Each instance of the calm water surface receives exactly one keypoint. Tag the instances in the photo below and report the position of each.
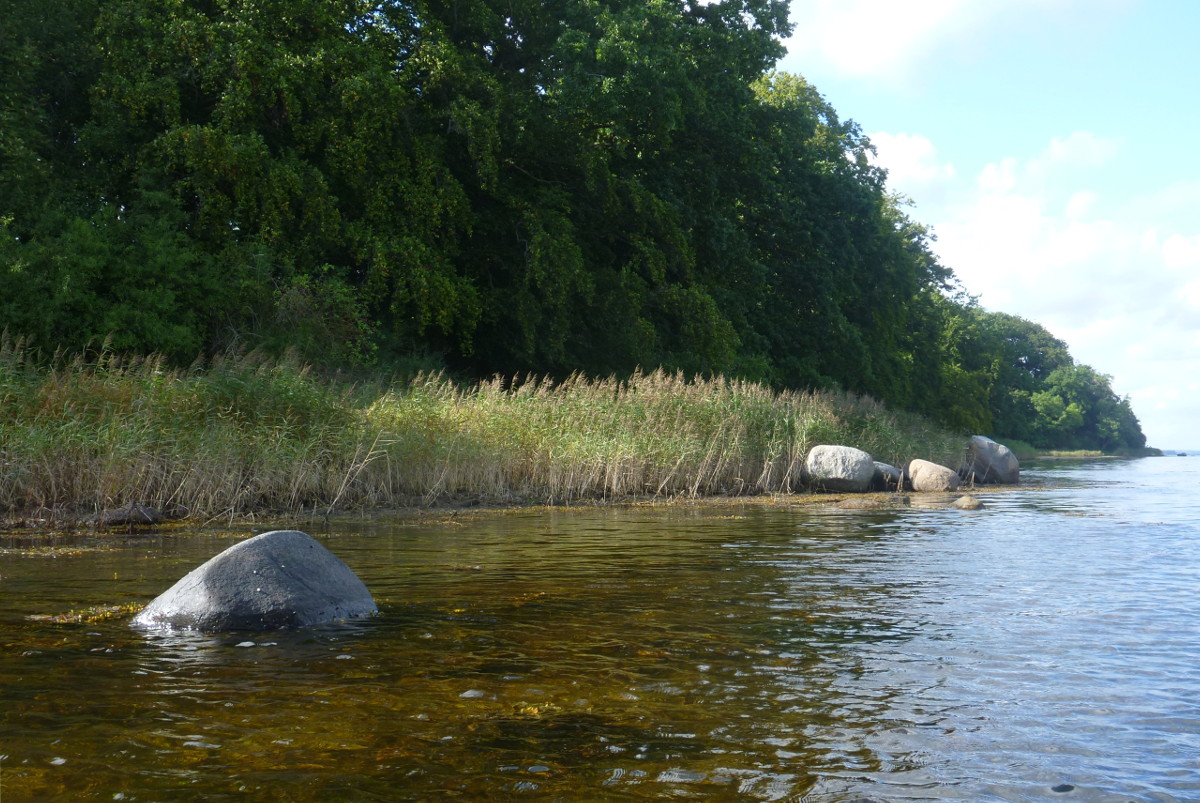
(1045, 648)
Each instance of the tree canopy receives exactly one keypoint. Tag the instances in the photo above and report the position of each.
(493, 187)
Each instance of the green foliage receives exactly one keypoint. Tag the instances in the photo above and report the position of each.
(1078, 410)
(504, 186)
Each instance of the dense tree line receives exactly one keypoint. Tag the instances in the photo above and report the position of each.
(505, 186)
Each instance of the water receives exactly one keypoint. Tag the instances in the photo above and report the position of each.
(1045, 648)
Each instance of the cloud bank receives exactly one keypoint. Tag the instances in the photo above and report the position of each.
(1037, 237)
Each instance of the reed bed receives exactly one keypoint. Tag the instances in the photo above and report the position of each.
(244, 435)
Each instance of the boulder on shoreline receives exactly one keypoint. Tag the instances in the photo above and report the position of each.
(990, 462)
(926, 477)
(887, 478)
(283, 578)
(130, 514)
(839, 468)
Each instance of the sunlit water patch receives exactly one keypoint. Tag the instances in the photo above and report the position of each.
(1043, 648)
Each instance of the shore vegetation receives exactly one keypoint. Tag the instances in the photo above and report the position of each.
(241, 435)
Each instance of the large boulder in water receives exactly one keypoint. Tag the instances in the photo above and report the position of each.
(839, 468)
(925, 477)
(278, 579)
(988, 461)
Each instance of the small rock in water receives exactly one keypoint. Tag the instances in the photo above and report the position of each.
(968, 503)
(471, 694)
(244, 644)
(1063, 788)
(861, 503)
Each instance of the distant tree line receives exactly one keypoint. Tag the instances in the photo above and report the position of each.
(513, 186)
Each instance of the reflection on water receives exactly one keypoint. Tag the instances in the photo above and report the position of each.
(1043, 648)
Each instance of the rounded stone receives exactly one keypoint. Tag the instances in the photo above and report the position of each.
(968, 503)
(924, 476)
(988, 461)
(861, 503)
(887, 477)
(283, 578)
(839, 468)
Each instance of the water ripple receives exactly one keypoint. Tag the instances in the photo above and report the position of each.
(1046, 648)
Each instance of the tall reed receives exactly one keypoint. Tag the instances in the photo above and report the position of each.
(247, 434)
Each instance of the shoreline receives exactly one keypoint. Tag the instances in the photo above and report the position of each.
(248, 439)
(454, 513)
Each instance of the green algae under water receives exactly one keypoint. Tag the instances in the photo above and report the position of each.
(1046, 647)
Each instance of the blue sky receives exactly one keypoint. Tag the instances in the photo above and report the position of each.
(1049, 145)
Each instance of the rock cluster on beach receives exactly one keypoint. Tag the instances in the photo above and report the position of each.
(848, 470)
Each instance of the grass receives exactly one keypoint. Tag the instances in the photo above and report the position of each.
(242, 435)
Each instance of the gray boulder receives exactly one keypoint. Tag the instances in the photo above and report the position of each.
(988, 461)
(131, 514)
(839, 468)
(887, 478)
(278, 579)
(927, 477)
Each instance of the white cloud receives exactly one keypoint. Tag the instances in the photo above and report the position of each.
(1080, 157)
(1175, 202)
(913, 166)
(1190, 293)
(867, 37)
(1019, 238)
(1181, 252)
(886, 40)
(1080, 204)
(1030, 238)
(1167, 411)
(998, 176)
(1079, 149)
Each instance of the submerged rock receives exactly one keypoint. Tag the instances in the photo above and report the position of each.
(839, 468)
(283, 578)
(988, 461)
(927, 477)
(932, 501)
(862, 503)
(967, 503)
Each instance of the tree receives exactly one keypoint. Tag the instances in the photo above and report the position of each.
(1090, 415)
(496, 185)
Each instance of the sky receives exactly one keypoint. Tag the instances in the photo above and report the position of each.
(1050, 145)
